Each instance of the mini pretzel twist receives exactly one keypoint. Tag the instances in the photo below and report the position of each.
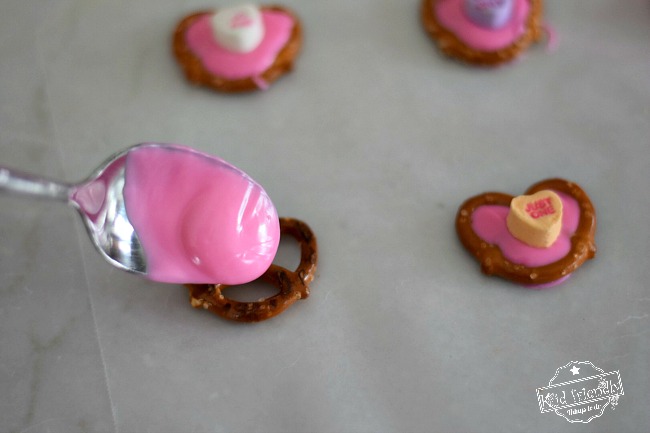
(196, 72)
(493, 262)
(452, 45)
(292, 285)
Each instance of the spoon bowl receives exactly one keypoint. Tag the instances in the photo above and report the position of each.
(169, 213)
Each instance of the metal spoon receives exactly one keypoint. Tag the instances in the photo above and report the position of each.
(100, 203)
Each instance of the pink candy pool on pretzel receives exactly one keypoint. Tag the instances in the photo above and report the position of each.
(489, 222)
(230, 64)
(453, 14)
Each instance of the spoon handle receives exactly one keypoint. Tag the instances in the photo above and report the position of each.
(20, 183)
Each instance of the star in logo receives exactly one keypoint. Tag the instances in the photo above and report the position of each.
(575, 370)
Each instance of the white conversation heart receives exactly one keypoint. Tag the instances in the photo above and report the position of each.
(239, 29)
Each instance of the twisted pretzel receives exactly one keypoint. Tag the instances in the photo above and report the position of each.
(197, 73)
(292, 285)
(452, 45)
(493, 262)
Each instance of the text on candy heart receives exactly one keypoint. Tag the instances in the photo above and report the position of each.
(540, 208)
(241, 20)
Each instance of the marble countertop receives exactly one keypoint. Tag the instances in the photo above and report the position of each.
(375, 139)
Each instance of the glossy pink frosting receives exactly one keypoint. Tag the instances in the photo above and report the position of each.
(489, 223)
(199, 219)
(451, 15)
(232, 65)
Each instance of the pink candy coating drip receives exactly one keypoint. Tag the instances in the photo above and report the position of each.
(489, 223)
(451, 15)
(199, 219)
(232, 65)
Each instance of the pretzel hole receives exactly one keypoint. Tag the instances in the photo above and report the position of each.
(288, 254)
(250, 292)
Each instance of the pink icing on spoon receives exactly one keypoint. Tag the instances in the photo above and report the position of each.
(198, 218)
(489, 223)
(452, 16)
(232, 65)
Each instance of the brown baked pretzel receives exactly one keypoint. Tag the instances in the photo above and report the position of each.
(196, 73)
(450, 44)
(293, 285)
(583, 246)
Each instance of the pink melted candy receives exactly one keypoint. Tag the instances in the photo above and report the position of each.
(199, 219)
(451, 15)
(489, 223)
(231, 65)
